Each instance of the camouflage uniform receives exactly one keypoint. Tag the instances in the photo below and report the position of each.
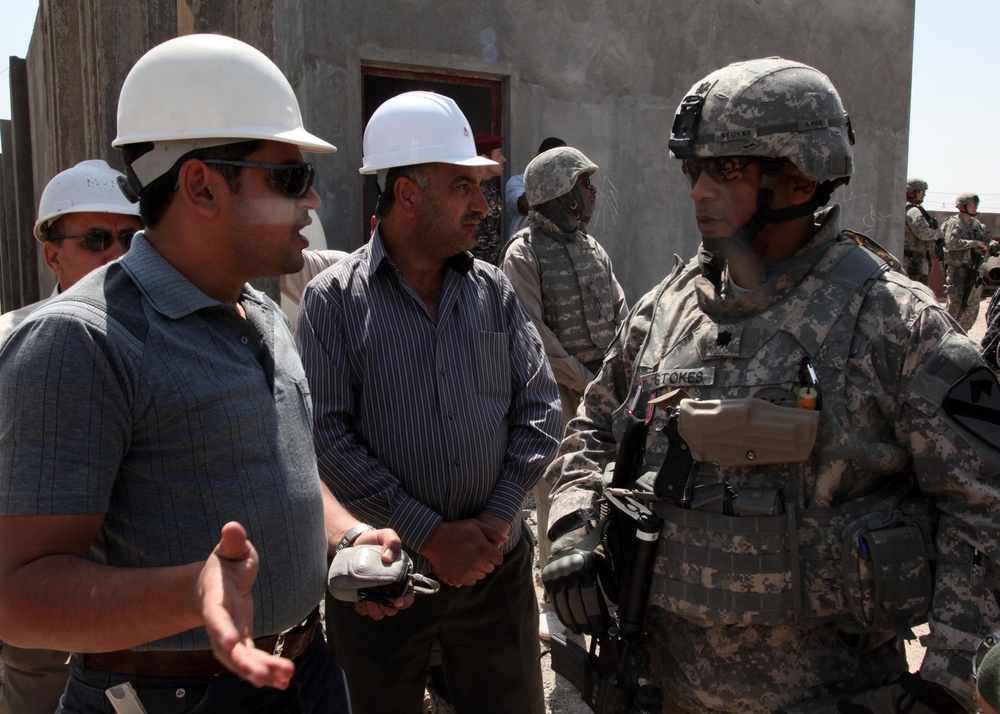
(918, 244)
(960, 252)
(488, 234)
(883, 377)
(567, 285)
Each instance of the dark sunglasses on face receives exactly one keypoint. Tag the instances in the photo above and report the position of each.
(719, 169)
(292, 180)
(99, 239)
(585, 182)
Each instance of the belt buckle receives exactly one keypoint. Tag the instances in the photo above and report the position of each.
(279, 645)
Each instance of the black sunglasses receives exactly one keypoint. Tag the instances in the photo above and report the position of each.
(720, 169)
(99, 239)
(292, 180)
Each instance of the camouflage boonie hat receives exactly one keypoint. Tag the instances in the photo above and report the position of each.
(771, 108)
(915, 184)
(553, 173)
(964, 199)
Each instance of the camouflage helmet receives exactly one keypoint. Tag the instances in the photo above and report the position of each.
(915, 184)
(964, 199)
(553, 173)
(769, 108)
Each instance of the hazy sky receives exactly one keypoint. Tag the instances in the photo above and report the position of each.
(954, 103)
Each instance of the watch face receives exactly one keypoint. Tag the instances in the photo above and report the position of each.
(981, 651)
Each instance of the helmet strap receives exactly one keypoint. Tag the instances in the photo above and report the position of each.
(739, 245)
(162, 157)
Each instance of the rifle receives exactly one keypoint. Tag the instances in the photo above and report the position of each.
(973, 276)
(609, 676)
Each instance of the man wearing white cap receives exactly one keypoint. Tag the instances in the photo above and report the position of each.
(166, 523)
(436, 413)
(83, 223)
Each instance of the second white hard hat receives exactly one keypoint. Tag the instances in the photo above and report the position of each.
(419, 128)
(89, 187)
(207, 90)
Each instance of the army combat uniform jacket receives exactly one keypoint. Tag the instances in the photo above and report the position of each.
(751, 613)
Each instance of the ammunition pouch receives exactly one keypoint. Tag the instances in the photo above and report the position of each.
(799, 567)
(887, 566)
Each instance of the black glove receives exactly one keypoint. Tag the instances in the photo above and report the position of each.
(571, 580)
(907, 695)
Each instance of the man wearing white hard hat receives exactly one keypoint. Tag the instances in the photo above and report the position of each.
(436, 412)
(83, 223)
(166, 523)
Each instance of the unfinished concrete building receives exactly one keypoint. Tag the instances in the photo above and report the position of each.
(604, 76)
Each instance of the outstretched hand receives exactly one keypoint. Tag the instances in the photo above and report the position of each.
(224, 587)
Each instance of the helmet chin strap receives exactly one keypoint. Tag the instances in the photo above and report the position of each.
(739, 245)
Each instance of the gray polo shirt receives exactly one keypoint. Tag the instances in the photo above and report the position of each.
(171, 415)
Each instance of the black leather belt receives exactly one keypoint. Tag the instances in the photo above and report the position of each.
(199, 663)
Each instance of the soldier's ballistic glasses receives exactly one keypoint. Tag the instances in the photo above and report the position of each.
(291, 179)
(720, 169)
(99, 239)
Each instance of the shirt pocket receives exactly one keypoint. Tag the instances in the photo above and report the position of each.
(493, 363)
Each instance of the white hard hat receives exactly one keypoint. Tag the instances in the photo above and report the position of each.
(419, 128)
(89, 187)
(207, 90)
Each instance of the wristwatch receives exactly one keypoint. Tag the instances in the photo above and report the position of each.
(352, 535)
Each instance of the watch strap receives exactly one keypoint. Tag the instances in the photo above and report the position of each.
(352, 535)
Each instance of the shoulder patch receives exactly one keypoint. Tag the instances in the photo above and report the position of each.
(974, 403)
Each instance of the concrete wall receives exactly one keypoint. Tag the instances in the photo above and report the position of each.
(79, 55)
(606, 77)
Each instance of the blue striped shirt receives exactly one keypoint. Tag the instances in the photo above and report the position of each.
(421, 419)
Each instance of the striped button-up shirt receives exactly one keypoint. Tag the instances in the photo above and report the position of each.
(421, 418)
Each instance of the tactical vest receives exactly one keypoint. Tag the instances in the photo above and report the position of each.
(910, 240)
(576, 293)
(860, 561)
(959, 257)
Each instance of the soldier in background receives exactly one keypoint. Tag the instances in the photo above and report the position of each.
(514, 198)
(773, 595)
(921, 235)
(966, 242)
(564, 280)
